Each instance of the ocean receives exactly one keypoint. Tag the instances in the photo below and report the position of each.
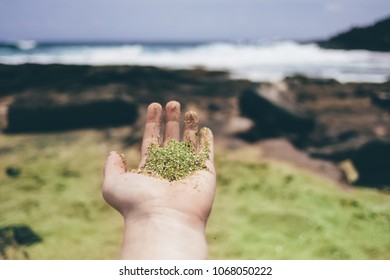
(257, 61)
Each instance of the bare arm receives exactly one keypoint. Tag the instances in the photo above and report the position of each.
(163, 220)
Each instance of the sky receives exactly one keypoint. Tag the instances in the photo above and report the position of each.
(184, 20)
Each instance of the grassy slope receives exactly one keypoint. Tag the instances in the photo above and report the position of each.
(263, 210)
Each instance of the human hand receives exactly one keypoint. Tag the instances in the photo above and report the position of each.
(163, 219)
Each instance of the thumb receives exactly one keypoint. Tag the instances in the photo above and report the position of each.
(115, 165)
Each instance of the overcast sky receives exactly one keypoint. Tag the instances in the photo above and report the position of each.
(183, 20)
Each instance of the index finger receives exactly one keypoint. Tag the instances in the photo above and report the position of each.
(206, 145)
(152, 130)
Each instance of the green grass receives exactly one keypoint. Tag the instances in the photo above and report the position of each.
(273, 211)
(263, 210)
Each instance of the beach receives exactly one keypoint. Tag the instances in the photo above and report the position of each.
(306, 140)
(277, 147)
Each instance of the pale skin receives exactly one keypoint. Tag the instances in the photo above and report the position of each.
(163, 220)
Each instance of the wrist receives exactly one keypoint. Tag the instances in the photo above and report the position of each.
(164, 235)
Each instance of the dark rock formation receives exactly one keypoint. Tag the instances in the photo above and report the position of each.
(86, 96)
(352, 122)
(29, 116)
(372, 161)
(344, 119)
(381, 99)
(275, 112)
(324, 118)
(345, 116)
(16, 236)
(13, 171)
(374, 38)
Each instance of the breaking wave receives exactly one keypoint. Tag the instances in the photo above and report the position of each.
(255, 61)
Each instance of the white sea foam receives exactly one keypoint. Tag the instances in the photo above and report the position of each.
(260, 62)
(25, 45)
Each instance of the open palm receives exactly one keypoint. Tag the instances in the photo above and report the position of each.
(138, 195)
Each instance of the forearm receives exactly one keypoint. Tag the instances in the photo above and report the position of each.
(162, 237)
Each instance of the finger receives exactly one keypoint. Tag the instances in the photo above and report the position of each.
(191, 122)
(206, 143)
(172, 122)
(152, 130)
(115, 165)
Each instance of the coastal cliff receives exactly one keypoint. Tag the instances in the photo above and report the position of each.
(375, 37)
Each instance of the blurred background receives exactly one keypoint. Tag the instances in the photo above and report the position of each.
(297, 93)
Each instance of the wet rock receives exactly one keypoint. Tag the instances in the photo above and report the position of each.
(22, 234)
(52, 88)
(17, 237)
(275, 111)
(372, 162)
(348, 117)
(13, 171)
(381, 99)
(345, 114)
(41, 116)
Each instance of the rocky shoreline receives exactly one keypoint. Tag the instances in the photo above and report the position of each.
(323, 119)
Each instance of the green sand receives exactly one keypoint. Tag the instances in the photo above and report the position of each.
(175, 161)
